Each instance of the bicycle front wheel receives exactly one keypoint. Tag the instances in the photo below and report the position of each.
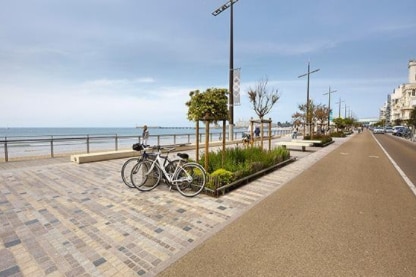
(126, 171)
(190, 179)
(144, 180)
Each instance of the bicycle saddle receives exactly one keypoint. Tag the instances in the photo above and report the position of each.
(183, 156)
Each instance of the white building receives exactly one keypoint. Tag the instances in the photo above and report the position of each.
(403, 99)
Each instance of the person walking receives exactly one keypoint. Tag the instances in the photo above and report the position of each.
(295, 132)
(145, 135)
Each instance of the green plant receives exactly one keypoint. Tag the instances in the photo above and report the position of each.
(323, 138)
(338, 134)
(210, 104)
(242, 162)
(219, 178)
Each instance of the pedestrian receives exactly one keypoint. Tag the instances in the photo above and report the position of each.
(257, 131)
(295, 132)
(145, 135)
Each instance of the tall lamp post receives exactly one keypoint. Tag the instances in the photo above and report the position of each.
(307, 93)
(339, 108)
(329, 104)
(230, 5)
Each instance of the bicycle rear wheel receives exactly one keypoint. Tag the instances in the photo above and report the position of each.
(126, 171)
(190, 179)
(144, 180)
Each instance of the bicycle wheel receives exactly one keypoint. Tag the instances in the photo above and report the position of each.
(126, 171)
(143, 181)
(190, 179)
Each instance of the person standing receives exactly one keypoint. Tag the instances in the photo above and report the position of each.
(145, 135)
(257, 131)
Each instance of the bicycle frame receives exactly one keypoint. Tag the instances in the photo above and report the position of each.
(189, 178)
(160, 161)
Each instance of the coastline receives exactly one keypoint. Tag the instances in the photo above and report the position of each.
(21, 148)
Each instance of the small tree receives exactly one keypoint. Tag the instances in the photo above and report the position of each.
(339, 123)
(262, 99)
(412, 121)
(209, 106)
(311, 117)
(321, 113)
(298, 119)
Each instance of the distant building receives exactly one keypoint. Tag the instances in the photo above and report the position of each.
(403, 99)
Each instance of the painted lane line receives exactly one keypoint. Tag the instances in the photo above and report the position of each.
(405, 178)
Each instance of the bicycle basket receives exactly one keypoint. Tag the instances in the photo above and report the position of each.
(137, 147)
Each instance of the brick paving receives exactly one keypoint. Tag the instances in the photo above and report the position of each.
(64, 219)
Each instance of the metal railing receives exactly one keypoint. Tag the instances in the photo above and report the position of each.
(52, 146)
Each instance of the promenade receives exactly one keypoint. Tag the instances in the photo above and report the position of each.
(342, 210)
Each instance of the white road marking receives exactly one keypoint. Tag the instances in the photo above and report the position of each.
(405, 178)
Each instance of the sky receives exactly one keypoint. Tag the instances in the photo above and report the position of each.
(126, 63)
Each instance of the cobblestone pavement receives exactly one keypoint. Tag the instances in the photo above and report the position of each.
(64, 219)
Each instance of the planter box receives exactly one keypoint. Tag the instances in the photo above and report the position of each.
(226, 188)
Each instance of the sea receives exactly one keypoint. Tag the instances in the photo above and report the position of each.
(38, 142)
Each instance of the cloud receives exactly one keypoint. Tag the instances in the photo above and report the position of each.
(94, 103)
(293, 47)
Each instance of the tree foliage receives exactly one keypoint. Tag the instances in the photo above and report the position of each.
(262, 99)
(321, 114)
(298, 118)
(317, 113)
(339, 123)
(210, 104)
(412, 119)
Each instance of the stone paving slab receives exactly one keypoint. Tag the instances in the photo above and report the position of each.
(64, 219)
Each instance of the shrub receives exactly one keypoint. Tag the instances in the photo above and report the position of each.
(339, 134)
(220, 177)
(241, 162)
(323, 138)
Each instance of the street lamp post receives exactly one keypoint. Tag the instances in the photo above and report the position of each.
(339, 108)
(307, 93)
(329, 104)
(230, 5)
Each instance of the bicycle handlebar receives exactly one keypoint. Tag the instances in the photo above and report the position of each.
(159, 148)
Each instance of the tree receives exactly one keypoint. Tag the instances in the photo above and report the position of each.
(210, 105)
(321, 114)
(262, 99)
(316, 114)
(412, 119)
(339, 123)
(298, 118)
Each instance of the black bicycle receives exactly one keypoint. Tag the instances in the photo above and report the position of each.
(130, 163)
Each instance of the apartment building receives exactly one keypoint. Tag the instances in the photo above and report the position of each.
(403, 99)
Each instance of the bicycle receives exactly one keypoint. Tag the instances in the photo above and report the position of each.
(188, 178)
(130, 163)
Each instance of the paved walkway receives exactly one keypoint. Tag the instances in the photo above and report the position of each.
(349, 214)
(63, 219)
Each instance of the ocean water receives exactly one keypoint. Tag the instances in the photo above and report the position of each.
(37, 142)
(93, 131)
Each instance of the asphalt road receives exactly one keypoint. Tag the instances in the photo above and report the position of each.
(402, 151)
(350, 214)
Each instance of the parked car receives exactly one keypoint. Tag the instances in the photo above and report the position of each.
(388, 129)
(403, 132)
(396, 128)
(378, 130)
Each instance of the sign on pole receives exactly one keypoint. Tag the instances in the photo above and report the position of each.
(236, 86)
